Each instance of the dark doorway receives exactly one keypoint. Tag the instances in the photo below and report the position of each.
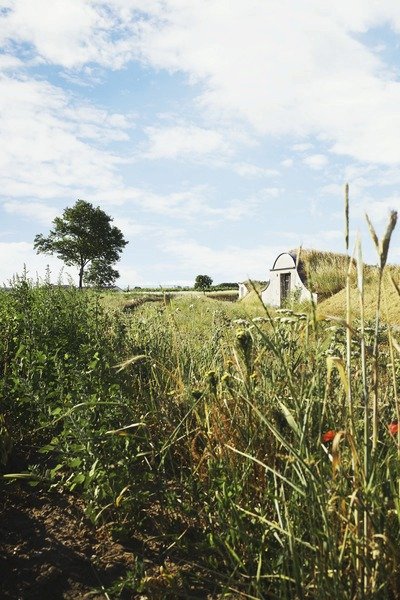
(285, 287)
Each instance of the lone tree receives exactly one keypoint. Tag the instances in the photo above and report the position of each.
(100, 274)
(203, 282)
(84, 237)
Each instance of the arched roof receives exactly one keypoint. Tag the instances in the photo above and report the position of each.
(292, 256)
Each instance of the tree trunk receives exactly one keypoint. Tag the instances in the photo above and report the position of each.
(81, 277)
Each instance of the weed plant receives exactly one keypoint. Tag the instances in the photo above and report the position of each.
(258, 452)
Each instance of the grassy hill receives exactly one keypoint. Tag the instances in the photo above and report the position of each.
(390, 308)
(321, 272)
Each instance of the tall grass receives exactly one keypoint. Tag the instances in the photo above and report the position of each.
(250, 451)
(323, 272)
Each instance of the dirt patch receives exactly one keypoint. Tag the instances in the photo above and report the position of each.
(49, 550)
(136, 302)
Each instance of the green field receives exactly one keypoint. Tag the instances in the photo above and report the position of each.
(196, 425)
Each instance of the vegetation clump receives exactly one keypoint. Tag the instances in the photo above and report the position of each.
(265, 445)
(322, 272)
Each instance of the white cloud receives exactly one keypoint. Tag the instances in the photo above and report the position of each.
(326, 239)
(66, 32)
(249, 170)
(301, 147)
(34, 211)
(130, 226)
(230, 263)
(131, 277)
(316, 161)
(299, 87)
(21, 254)
(333, 189)
(377, 210)
(184, 141)
(369, 186)
(50, 144)
(8, 62)
(185, 205)
(288, 162)
(191, 204)
(269, 192)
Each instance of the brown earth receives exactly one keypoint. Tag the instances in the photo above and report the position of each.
(49, 550)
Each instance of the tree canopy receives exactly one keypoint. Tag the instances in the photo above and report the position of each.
(84, 237)
(203, 282)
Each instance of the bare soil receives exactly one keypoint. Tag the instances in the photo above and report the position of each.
(49, 550)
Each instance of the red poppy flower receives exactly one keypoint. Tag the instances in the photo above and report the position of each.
(328, 436)
(393, 428)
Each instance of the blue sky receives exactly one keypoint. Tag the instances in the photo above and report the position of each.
(216, 133)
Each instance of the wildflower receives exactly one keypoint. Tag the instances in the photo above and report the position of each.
(328, 436)
(260, 320)
(393, 428)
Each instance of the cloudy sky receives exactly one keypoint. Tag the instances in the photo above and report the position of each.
(217, 133)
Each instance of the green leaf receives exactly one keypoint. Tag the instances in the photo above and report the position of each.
(335, 362)
(289, 418)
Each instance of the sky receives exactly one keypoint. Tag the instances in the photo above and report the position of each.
(216, 133)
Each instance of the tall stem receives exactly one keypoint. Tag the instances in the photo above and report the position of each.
(375, 412)
(348, 314)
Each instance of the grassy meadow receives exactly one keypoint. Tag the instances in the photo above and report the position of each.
(255, 453)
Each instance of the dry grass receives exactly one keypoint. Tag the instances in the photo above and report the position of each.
(336, 304)
(322, 272)
(252, 301)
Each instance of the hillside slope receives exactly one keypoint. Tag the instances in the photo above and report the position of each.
(390, 308)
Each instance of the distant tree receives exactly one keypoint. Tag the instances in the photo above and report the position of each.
(203, 282)
(229, 286)
(84, 237)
